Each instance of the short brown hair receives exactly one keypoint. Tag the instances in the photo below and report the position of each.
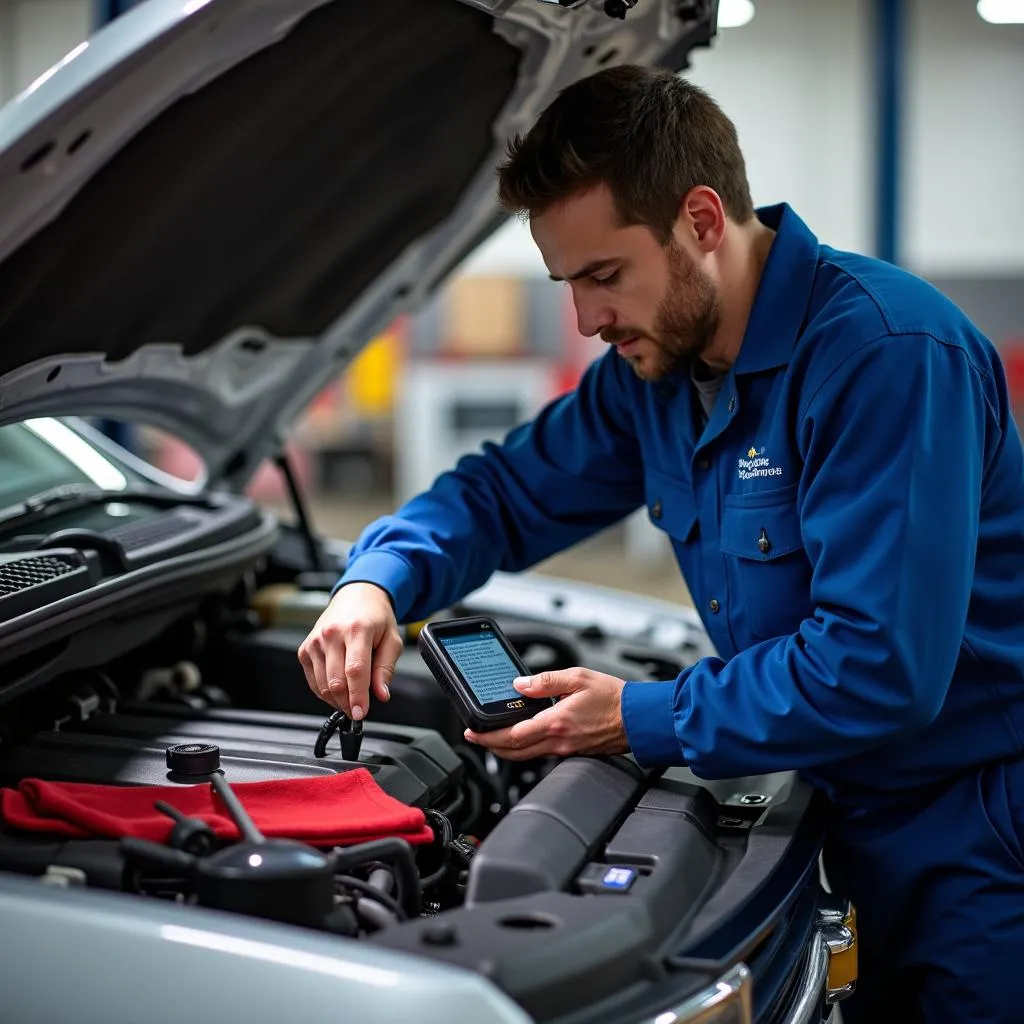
(649, 135)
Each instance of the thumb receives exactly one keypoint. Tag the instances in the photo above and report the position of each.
(549, 684)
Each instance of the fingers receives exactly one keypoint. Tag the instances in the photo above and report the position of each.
(339, 654)
(314, 667)
(544, 734)
(553, 684)
(355, 669)
(384, 660)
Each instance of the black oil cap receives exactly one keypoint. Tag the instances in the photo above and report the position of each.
(193, 758)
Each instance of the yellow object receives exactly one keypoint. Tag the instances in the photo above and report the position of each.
(371, 378)
(413, 629)
(282, 604)
(842, 962)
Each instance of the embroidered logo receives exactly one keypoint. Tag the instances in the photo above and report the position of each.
(757, 464)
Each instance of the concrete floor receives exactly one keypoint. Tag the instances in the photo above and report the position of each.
(601, 560)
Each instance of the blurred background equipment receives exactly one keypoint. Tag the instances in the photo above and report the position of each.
(894, 128)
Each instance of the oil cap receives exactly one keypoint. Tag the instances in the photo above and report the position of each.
(193, 758)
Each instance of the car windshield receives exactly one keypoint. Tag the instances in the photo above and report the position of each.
(39, 455)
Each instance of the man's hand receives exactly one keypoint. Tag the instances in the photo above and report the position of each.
(586, 720)
(355, 641)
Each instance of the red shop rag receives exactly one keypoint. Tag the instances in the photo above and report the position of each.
(328, 810)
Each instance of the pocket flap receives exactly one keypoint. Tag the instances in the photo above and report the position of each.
(670, 505)
(763, 527)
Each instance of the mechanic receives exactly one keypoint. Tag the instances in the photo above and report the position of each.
(829, 445)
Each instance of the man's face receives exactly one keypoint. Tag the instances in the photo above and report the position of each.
(651, 301)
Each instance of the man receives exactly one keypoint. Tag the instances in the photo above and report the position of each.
(828, 443)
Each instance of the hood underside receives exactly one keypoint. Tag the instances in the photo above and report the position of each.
(209, 208)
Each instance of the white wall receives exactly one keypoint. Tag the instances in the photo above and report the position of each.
(34, 35)
(795, 80)
(799, 81)
(963, 182)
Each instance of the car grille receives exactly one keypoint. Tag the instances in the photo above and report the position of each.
(30, 572)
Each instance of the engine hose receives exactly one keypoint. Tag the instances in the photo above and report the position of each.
(451, 809)
(396, 852)
(473, 758)
(382, 880)
(373, 914)
(443, 827)
(367, 890)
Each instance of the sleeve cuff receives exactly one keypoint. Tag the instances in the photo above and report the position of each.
(648, 715)
(387, 570)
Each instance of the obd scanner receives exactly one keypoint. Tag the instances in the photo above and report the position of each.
(475, 663)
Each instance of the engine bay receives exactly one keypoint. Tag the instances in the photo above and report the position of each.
(551, 878)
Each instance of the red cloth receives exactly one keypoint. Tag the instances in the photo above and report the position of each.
(328, 810)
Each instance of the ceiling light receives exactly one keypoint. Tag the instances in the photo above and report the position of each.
(734, 13)
(1001, 12)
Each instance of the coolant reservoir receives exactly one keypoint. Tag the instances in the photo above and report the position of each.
(284, 604)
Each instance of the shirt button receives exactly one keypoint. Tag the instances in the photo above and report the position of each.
(656, 510)
(704, 464)
(714, 605)
(732, 402)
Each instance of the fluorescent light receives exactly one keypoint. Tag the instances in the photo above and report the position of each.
(1002, 12)
(735, 13)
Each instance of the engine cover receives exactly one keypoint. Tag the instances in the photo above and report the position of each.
(129, 747)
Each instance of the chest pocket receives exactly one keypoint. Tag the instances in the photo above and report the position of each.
(670, 505)
(769, 574)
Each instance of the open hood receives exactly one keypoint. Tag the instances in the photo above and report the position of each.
(209, 207)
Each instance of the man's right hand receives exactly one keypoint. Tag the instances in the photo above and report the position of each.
(354, 642)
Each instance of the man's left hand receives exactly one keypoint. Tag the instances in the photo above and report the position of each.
(587, 719)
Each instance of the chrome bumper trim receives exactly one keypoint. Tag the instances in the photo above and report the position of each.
(811, 996)
(728, 1001)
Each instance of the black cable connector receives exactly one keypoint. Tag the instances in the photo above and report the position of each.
(192, 835)
(350, 735)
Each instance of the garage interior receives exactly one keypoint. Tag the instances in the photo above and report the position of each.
(894, 127)
(848, 111)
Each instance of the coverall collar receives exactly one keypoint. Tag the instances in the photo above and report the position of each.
(780, 304)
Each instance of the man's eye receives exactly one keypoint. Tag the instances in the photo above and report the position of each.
(608, 279)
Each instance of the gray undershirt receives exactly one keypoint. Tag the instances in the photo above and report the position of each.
(708, 384)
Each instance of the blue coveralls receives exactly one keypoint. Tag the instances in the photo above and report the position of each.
(850, 524)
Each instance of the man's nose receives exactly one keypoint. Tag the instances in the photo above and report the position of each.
(592, 317)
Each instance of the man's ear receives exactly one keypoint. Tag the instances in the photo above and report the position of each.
(702, 218)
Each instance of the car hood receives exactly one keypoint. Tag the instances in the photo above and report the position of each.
(210, 206)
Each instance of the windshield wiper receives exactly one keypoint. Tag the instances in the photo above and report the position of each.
(68, 497)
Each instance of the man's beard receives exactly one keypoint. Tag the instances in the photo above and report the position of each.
(685, 323)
